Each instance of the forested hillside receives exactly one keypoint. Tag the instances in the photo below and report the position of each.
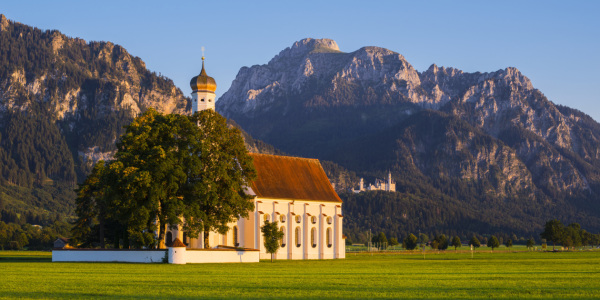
(63, 104)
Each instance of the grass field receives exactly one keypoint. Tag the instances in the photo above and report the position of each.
(448, 275)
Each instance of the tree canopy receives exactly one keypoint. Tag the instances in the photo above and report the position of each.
(475, 242)
(168, 170)
(493, 242)
(456, 242)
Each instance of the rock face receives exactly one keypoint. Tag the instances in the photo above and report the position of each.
(88, 91)
(370, 111)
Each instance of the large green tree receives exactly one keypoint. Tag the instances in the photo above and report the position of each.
(169, 170)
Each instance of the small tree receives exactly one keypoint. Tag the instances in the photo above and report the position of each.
(456, 242)
(530, 243)
(423, 239)
(493, 242)
(435, 244)
(508, 243)
(410, 242)
(553, 231)
(442, 242)
(475, 242)
(394, 242)
(272, 236)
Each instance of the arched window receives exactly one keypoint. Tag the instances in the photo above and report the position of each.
(235, 236)
(225, 239)
(329, 220)
(313, 219)
(313, 240)
(282, 241)
(282, 218)
(169, 239)
(298, 219)
(267, 217)
(328, 236)
(298, 238)
(185, 242)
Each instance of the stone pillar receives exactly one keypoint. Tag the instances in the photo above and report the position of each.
(177, 253)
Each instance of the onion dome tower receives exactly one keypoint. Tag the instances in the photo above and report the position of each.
(203, 91)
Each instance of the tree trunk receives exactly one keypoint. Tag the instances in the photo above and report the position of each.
(206, 244)
(161, 235)
(102, 244)
(271, 257)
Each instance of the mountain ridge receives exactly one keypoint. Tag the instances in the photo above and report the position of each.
(348, 107)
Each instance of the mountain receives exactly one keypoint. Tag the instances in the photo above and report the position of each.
(63, 104)
(487, 139)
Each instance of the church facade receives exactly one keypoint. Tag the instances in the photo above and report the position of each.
(293, 191)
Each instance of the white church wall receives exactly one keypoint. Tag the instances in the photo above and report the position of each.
(200, 256)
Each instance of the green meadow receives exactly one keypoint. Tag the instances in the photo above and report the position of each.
(446, 275)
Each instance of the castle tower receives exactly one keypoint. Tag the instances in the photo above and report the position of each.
(203, 91)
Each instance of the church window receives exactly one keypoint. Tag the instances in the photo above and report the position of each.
(235, 236)
(328, 236)
(282, 218)
(313, 219)
(185, 242)
(282, 241)
(209, 100)
(329, 220)
(266, 217)
(202, 100)
(298, 219)
(297, 237)
(169, 239)
(313, 240)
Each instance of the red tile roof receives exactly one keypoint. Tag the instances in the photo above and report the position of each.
(285, 177)
(177, 243)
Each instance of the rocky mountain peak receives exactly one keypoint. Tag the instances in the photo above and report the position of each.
(513, 77)
(310, 44)
(3, 22)
(306, 46)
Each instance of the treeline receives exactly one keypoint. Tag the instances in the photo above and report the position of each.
(417, 209)
(570, 236)
(26, 236)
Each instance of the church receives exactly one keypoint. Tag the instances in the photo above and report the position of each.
(293, 191)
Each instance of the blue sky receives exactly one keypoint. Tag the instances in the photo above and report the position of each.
(554, 43)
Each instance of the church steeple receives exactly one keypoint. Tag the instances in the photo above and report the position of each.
(203, 90)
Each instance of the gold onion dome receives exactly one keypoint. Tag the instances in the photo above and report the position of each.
(203, 82)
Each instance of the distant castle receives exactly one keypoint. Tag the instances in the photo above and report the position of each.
(380, 185)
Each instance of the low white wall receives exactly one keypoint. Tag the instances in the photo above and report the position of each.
(199, 256)
(104, 255)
